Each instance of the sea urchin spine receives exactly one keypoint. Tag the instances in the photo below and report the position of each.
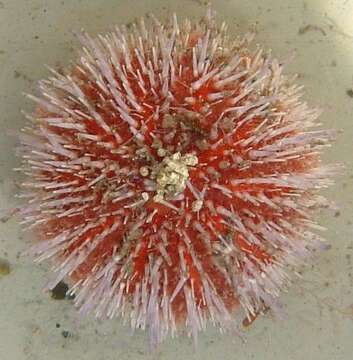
(171, 175)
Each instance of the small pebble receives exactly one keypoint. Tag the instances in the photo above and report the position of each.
(5, 268)
(59, 292)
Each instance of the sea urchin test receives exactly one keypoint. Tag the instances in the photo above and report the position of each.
(171, 174)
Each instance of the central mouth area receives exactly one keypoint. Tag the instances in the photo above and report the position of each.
(173, 174)
(170, 174)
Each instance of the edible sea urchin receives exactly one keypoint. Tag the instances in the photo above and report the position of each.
(171, 176)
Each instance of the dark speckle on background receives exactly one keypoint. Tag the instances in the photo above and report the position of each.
(349, 92)
(304, 29)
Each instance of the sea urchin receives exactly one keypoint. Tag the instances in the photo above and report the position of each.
(171, 175)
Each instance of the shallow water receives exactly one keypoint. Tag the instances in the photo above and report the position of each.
(319, 308)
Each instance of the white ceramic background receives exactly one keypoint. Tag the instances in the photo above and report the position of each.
(320, 307)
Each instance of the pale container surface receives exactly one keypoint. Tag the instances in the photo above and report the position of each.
(317, 37)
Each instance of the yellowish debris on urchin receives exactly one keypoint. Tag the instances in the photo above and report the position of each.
(173, 174)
